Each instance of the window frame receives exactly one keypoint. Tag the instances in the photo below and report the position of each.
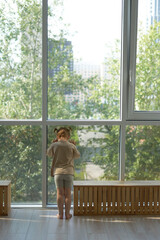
(133, 114)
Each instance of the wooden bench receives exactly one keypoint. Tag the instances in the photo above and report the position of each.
(5, 197)
(116, 198)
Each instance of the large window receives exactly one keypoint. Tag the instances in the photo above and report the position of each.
(89, 64)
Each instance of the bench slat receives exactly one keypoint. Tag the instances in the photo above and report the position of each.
(5, 197)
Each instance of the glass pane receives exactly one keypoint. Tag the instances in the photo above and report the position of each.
(147, 90)
(20, 162)
(143, 153)
(84, 59)
(20, 59)
(99, 149)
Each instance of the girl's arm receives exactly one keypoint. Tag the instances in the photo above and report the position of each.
(52, 168)
(72, 141)
(76, 153)
(50, 152)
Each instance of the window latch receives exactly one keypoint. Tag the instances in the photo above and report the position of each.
(130, 77)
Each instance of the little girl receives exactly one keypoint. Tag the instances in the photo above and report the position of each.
(63, 153)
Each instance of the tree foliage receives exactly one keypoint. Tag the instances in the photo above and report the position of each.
(20, 60)
(148, 70)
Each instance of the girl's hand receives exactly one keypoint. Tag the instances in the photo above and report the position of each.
(52, 173)
(72, 141)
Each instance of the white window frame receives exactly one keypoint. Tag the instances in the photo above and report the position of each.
(132, 114)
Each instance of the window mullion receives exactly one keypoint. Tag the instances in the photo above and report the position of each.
(124, 81)
(132, 54)
(44, 98)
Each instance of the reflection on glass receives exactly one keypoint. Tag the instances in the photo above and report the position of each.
(147, 90)
(20, 59)
(143, 153)
(20, 162)
(84, 59)
(99, 148)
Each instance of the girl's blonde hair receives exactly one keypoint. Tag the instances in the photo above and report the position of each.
(62, 132)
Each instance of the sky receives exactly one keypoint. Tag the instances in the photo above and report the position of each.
(93, 24)
(97, 23)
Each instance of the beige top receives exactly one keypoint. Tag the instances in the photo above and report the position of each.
(63, 153)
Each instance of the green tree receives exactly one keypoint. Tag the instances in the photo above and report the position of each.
(20, 59)
(147, 70)
(142, 153)
(20, 161)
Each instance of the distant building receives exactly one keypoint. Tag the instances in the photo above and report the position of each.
(60, 53)
(87, 70)
(155, 10)
(149, 11)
